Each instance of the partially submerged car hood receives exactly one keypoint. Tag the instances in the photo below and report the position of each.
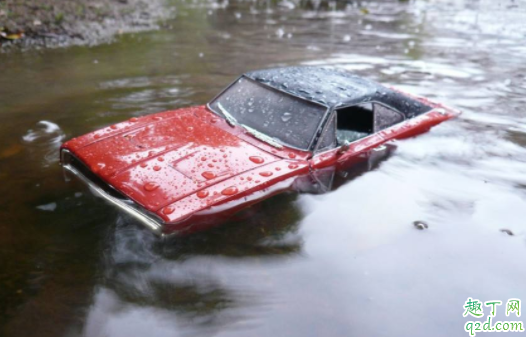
(160, 159)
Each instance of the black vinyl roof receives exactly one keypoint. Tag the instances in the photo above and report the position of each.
(335, 88)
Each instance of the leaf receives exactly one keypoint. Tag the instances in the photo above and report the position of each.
(364, 10)
(14, 36)
(10, 36)
(10, 151)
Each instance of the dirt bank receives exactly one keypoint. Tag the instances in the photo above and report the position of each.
(53, 23)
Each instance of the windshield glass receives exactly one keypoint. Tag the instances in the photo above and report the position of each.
(289, 120)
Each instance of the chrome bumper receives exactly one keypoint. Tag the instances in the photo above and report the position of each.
(101, 189)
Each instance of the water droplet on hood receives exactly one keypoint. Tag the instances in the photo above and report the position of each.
(229, 190)
(168, 210)
(256, 159)
(150, 186)
(208, 175)
(202, 194)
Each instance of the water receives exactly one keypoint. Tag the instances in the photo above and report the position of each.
(346, 263)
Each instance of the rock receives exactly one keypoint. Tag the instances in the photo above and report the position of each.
(420, 225)
(507, 231)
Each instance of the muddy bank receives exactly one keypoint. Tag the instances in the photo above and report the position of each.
(55, 23)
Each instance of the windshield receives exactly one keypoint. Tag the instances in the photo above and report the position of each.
(289, 120)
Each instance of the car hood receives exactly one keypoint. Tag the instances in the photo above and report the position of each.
(162, 158)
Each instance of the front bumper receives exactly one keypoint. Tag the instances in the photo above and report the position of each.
(71, 164)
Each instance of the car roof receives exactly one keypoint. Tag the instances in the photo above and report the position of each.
(334, 88)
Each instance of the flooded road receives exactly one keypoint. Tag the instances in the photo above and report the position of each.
(345, 263)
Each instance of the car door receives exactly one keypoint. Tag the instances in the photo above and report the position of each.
(365, 132)
(330, 152)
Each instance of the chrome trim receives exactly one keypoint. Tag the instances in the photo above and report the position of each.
(229, 118)
(332, 117)
(126, 205)
(263, 137)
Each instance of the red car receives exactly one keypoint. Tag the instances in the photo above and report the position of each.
(269, 131)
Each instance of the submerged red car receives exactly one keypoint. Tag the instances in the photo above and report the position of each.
(269, 131)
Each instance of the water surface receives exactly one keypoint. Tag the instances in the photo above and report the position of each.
(345, 263)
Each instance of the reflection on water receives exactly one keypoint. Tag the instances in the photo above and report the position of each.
(347, 262)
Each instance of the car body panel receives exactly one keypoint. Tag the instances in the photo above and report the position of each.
(183, 170)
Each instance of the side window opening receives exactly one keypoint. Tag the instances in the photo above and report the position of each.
(354, 122)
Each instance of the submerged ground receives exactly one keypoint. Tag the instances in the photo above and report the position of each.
(346, 263)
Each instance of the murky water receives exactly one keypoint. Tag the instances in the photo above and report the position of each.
(345, 263)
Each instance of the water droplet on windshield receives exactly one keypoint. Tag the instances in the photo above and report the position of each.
(156, 168)
(286, 117)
